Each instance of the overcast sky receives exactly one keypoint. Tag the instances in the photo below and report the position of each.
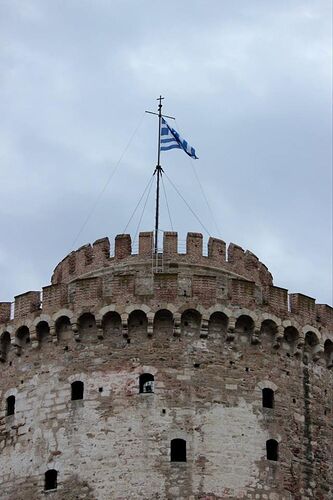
(249, 82)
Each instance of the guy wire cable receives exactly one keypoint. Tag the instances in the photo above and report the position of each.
(187, 204)
(138, 203)
(166, 202)
(143, 211)
(93, 208)
(204, 196)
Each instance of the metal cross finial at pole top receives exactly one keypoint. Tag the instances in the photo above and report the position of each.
(159, 130)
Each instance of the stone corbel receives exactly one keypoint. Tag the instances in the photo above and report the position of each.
(34, 339)
(100, 333)
(330, 362)
(150, 325)
(53, 334)
(299, 349)
(231, 330)
(18, 349)
(204, 329)
(306, 357)
(318, 353)
(278, 337)
(124, 325)
(177, 325)
(255, 337)
(76, 333)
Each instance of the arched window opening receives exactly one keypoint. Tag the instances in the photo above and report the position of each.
(77, 390)
(190, 323)
(272, 447)
(10, 406)
(178, 450)
(310, 340)
(290, 334)
(112, 330)
(244, 327)
(137, 323)
(51, 477)
(87, 326)
(4, 346)
(111, 323)
(268, 331)
(267, 398)
(63, 329)
(22, 336)
(163, 323)
(290, 338)
(42, 331)
(328, 353)
(146, 383)
(217, 325)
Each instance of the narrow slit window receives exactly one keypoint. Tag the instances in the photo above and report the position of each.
(146, 383)
(267, 398)
(272, 448)
(10, 406)
(51, 477)
(77, 390)
(178, 450)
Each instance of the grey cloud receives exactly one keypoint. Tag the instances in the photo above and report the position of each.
(250, 85)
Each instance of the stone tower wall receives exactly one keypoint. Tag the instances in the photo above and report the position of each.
(213, 331)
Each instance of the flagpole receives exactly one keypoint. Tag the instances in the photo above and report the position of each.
(158, 172)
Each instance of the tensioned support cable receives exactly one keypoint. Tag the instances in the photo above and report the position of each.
(167, 203)
(205, 197)
(94, 205)
(143, 210)
(138, 203)
(187, 204)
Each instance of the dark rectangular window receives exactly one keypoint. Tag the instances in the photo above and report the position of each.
(51, 477)
(10, 407)
(77, 390)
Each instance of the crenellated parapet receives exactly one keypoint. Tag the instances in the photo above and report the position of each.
(87, 258)
(324, 314)
(222, 281)
(5, 312)
(92, 257)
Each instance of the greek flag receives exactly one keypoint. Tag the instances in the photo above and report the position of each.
(170, 139)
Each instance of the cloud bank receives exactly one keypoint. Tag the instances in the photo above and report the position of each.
(250, 85)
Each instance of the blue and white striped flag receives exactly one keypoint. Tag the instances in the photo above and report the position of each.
(170, 139)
